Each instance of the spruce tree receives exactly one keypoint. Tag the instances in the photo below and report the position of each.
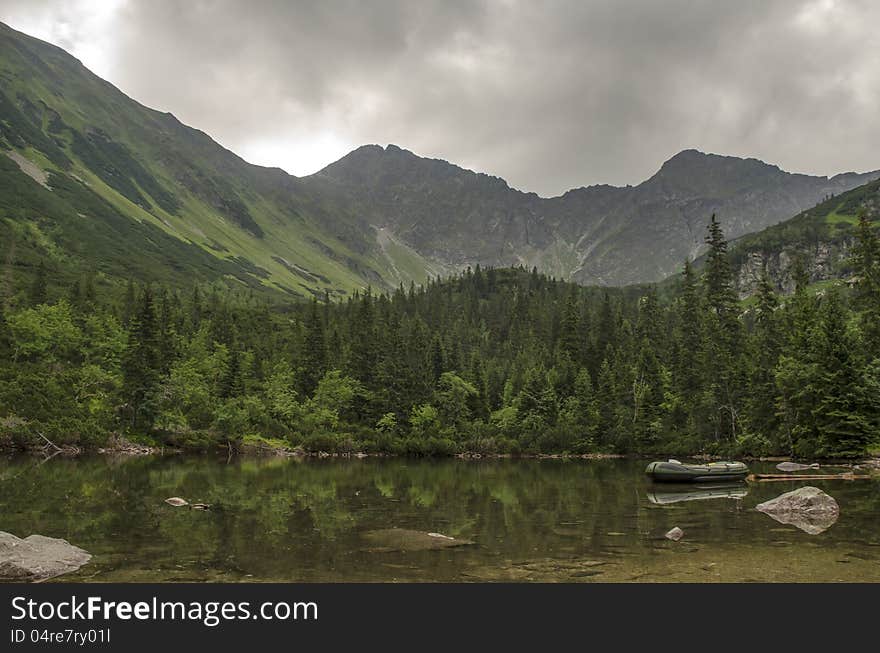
(231, 383)
(607, 400)
(363, 353)
(720, 294)
(166, 336)
(690, 338)
(866, 264)
(140, 366)
(844, 427)
(314, 353)
(765, 350)
(570, 335)
(724, 333)
(437, 359)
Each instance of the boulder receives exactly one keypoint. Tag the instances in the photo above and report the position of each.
(795, 467)
(37, 557)
(808, 508)
(675, 534)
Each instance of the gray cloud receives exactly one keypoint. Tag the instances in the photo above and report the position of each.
(549, 95)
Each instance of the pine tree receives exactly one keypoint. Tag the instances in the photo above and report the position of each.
(607, 400)
(689, 334)
(438, 365)
(140, 366)
(587, 411)
(724, 334)
(166, 337)
(391, 373)
(570, 336)
(606, 333)
(231, 383)
(765, 351)
(844, 427)
(648, 397)
(314, 354)
(720, 294)
(480, 406)
(536, 403)
(866, 263)
(363, 354)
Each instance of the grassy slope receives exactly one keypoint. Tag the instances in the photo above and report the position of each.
(832, 222)
(232, 219)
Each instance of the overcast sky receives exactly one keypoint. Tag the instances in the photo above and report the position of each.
(549, 95)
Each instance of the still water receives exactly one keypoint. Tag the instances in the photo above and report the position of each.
(347, 520)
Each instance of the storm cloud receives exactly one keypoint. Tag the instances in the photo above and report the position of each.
(549, 95)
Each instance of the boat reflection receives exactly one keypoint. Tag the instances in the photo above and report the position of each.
(666, 494)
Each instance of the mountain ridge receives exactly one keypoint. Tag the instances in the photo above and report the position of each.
(430, 204)
(378, 216)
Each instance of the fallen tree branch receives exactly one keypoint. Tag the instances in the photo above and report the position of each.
(845, 476)
(55, 446)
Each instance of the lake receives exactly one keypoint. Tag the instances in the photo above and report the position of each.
(293, 520)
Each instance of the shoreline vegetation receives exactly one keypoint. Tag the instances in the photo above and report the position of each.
(264, 448)
(489, 363)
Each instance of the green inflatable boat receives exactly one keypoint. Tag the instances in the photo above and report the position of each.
(673, 471)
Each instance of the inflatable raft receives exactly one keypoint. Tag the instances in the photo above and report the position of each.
(673, 471)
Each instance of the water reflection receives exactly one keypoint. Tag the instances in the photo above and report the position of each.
(312, 520)
(666, 494)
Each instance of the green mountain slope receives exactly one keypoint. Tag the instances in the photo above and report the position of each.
(92, 179)
(819, 239)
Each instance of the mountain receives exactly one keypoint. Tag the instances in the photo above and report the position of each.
(600, 234)
(94, 180)
(820, 239)
(91, 180)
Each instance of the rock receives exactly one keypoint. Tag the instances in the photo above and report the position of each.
(176, 502)
(675, 534)
(795, 467)
(401, 539)
(808, 508)
(37, 557)
(445, 537)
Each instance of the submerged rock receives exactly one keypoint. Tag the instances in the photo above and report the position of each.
(401, 539)
(37, 557)
(808, 508)
(675, 534)
(795, 467)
